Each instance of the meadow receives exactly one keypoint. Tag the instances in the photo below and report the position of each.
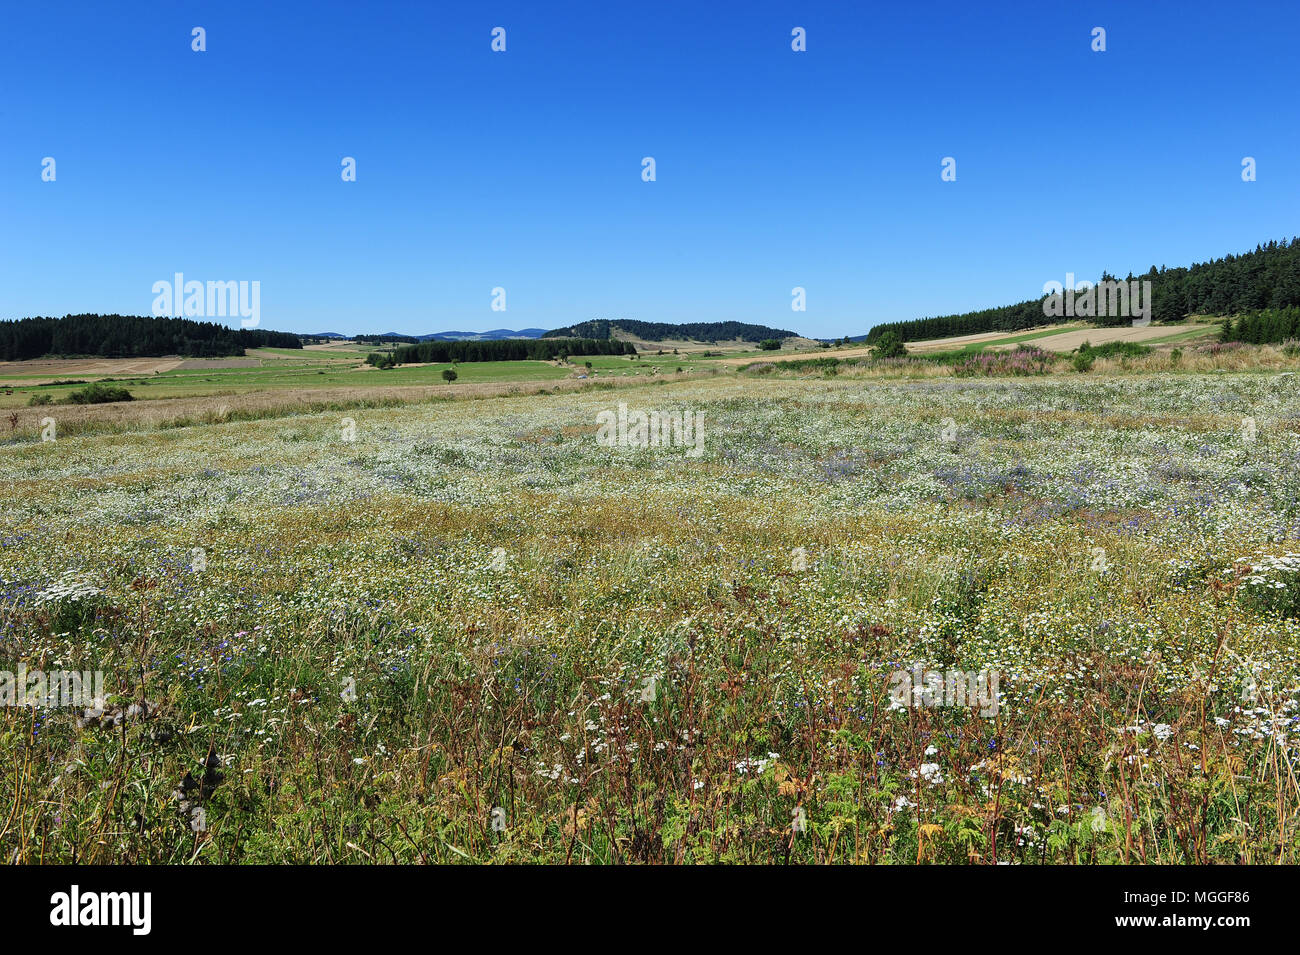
(299, 371)
(464, 631)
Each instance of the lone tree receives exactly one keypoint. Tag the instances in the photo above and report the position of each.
(888, 345)
(449, 375)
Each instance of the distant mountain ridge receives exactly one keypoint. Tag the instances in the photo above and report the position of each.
(495, 334)
(603, 328)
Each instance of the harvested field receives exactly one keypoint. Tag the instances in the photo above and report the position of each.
(1068, 341)
(51, 369)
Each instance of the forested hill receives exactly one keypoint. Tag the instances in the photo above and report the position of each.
(131, 336)
(1268, 277)
(667, 331)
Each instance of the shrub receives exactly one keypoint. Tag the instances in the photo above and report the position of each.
(1219, 348)
(1025, 360)
(40, 399)
(98, 394)
(828, 366)
(1114, 350)
(770, 344)
(889, 345)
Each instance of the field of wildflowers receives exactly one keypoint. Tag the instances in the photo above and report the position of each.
(467, 631)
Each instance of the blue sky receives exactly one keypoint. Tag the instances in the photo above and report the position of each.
(522, 169)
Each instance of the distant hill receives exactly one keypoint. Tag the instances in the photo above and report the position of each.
(496, 334)
(603, 328)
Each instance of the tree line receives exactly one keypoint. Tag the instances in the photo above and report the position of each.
(1267, 278)
(130, 336)
(506, 349)
(1267, 326)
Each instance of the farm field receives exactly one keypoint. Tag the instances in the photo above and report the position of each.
(271, 370)
(465, 631)
(1068, 340)
(1059, 338)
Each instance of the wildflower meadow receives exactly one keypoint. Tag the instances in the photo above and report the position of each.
(994, 618)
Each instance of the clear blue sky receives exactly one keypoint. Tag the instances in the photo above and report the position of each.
(523, 169)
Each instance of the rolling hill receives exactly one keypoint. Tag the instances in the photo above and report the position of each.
(710, 332)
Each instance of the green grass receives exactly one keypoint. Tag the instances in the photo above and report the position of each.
(976, 347)
(281, 374)
(618, 365)
(467, 372)
(1201, 331)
